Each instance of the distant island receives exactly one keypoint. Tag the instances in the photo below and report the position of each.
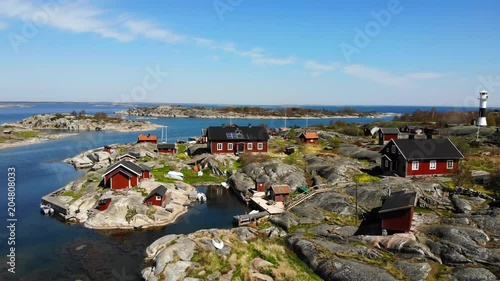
(32, 129)
(247, 112)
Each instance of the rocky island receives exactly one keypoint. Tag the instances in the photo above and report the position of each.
(245, 112)
(41, 127)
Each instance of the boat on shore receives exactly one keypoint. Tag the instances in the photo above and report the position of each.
(46, 209)
(225, 185)
(175, 175)
(218, 243)
(201, 197)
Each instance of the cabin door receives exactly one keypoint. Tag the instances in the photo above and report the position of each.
(240, 147)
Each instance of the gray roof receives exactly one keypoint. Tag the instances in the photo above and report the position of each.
(389, 131)
(131, 166)
(426, 149)
(145, 167)
(250, 133)
(165, 146)
(160, 191)
(399, 201)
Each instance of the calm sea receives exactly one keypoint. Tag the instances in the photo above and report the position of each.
(48, 249)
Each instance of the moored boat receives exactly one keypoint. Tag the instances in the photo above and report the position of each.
(46, 209)
(224, 184)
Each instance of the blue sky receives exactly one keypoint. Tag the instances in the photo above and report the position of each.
(385, 52)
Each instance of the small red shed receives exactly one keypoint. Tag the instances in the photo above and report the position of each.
(260, 185)
(166, 148)
(397, 211)
(103, 204)
(145, 172)
(309, 138)
(157, 196)
(387, 134)
(280, 193)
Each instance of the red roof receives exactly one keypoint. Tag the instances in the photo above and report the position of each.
(148, 137)
(310, 135)
(281, 189)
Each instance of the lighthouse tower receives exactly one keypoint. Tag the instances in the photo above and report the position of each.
(483, 98)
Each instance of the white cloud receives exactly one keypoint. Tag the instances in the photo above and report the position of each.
(265, 61)
(150, 31)
(3, 26)
(317, 69)
(387, 78)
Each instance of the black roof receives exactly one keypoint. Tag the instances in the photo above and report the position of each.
(145, 167)
(160, 191)
(127, 164)
(426, 149)
(399, 201)
(165, 146)
(389, 131)
(250, 133)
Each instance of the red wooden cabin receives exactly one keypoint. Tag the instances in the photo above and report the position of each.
(280, 193)
(260, 185)
(148, 138)
(122, 175)
(103, 204)
(309, 138)
(397, 211)
(234, 139)
(157, 197)
(387, 134)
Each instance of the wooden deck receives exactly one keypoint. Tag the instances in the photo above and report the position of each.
(276, 208)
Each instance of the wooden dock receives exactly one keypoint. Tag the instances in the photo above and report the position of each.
(249, 218)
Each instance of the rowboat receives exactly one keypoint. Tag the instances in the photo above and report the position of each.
(46, 209)
(224, 184)
(218, 244)
(175, 175)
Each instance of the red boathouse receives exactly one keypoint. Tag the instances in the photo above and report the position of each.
(280, 193)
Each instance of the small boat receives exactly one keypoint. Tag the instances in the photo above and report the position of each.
(218, 243)
(224, 184)
(46, 209)
(175, 175)
(201, 197)
(253, 212)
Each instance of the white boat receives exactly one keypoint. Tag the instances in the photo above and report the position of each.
(201, 197)
(218, 243)
(224, 184)
(46, 209)
(253, 212)
(175, 175)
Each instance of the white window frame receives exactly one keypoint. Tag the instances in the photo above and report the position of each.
(219, 146)
(393, 149)
(448, 166)
(432, 165)
(260, 146)
(229, 146)
(158, 197)
(387, 163)
(415, 165)
(249, 146)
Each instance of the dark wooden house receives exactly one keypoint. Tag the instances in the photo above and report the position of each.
(148, 138)
(169, 148)
(420, 157)
(387, 134)
(103, 204)
(234, 139)
(397, 210)
(157, 197)
(260, 185)
(123, 174)
(280, 193)
(309, 138)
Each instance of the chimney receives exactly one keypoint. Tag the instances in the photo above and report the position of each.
(411, 136)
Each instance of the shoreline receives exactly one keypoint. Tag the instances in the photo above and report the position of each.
(373, 116)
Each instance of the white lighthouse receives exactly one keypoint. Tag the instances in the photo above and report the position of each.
(483, 98)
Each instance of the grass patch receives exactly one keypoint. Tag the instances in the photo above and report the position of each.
(386, 261)
(423, 210)
(159, 174)
(191, 177)
(362, 178)
(25, 134)
(130, 214)
(295, 159)
(342, 220)
(439, 272)
(74, 194)
(150, 212)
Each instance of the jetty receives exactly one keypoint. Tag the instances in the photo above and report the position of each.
(56, 204)
(240, 220)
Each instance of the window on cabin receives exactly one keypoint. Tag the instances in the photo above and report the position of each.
(260, 146)
(414, 165)
(249, 146)
(229, 146)
(158, 197)
(393, 149)
(219, 146)
(387, 163)
(449, 164)
(432, 165)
